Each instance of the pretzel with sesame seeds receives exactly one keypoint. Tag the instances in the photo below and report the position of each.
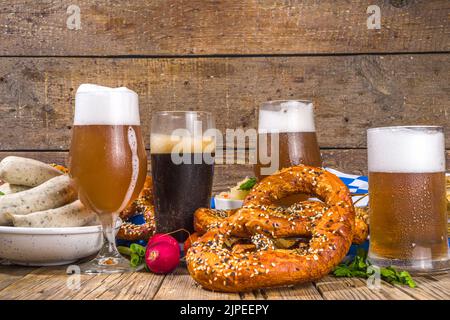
(216, 266)
(296, 220)
(144, 205)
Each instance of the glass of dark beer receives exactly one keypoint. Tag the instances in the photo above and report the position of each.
(287, 132)
(408, 214)
(182, 149)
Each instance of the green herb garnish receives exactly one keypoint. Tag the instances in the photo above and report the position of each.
(2, 193)
(248, 185)
(359, 267)
(136, 253)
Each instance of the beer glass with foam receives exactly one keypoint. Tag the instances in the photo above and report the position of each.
(182, 150)
(287, 133)
(108, 162)
(408, 217)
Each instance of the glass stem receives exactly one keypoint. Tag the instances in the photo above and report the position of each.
(109, 249)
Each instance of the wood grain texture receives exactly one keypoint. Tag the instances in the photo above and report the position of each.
(305, 291)
(333, 288)
(49, 283)
(436, 287)
(350, 93)
(10, 274)
(186, 27)
(180, 286)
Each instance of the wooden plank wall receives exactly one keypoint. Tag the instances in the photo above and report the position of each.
(226, 57)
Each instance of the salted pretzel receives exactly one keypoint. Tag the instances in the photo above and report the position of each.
(142, 205)
(294, 221)
(257, 263)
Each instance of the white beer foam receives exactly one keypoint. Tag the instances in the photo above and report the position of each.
(289, 116)
(405, 149)
(166, 143)
(99, 105)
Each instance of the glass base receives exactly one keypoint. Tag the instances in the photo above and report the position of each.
(108, 265)
(108, 260)
(418, 267)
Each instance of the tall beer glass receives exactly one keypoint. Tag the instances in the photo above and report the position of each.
(408, 217)
(182, 148)
(291, 122)
(108, 162)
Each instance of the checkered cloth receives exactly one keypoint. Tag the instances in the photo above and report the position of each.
(356, 184)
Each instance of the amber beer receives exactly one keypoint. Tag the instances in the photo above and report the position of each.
(408, 218)
(291, 122)
(108, 163)
(99, 150)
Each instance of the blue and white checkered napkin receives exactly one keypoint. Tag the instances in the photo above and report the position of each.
(356, 184)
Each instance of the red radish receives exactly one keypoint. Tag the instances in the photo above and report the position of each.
(162, 237)
(162, 257)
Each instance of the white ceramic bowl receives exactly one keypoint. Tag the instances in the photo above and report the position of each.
(48, 246)
(227, 204)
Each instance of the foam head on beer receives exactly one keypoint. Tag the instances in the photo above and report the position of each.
(405, 149)
(101, 105)
(286, 116)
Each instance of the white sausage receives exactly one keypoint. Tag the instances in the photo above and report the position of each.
(74, 214)
(8, 188)
(54, 193)
(26, 172)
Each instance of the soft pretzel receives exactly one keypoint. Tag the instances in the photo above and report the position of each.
(142, 205)
(294, 221)
(257, 263)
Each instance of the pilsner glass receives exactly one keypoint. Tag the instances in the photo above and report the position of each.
(182, 150)
(108, 162)
(408, 217)
(292, 123)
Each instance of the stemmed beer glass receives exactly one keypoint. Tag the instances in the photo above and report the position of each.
(108, 162)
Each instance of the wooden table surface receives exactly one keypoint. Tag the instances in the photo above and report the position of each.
(18, 283)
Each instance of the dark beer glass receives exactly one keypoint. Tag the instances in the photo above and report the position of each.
(182, 149)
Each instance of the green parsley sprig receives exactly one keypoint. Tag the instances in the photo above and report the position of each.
(248, 185)
(2, 193)
(359, 267)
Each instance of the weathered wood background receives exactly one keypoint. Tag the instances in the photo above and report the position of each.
(226, 57)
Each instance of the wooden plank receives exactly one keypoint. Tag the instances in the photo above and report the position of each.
(333, 288)
(305, 291)
(180, 286)
(350, 93)
(38, 284)
(181, 27)
(51, 283)
(10, 274)
(130, 286)
(435, 287)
